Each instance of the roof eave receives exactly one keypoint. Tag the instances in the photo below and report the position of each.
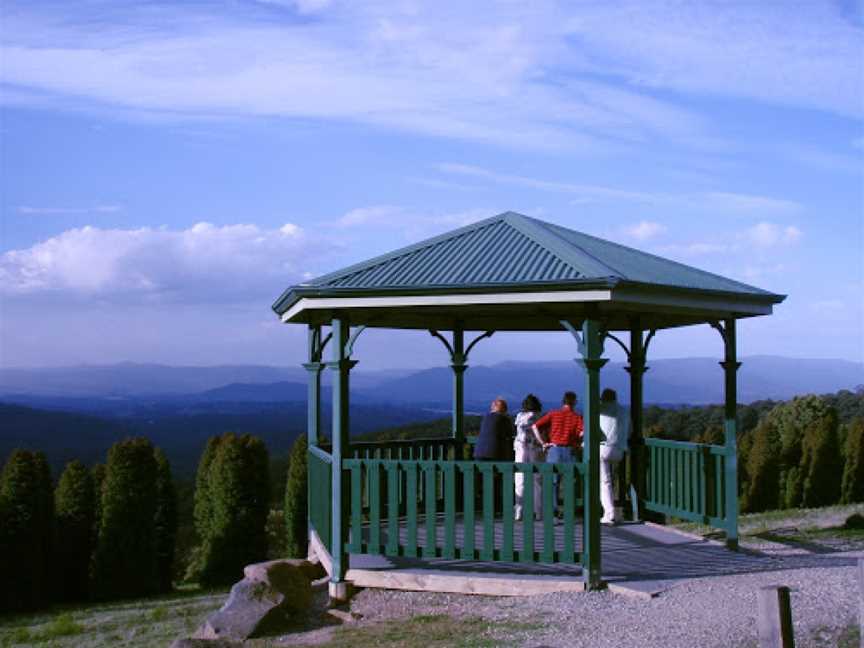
(295, 293)
(762, 296)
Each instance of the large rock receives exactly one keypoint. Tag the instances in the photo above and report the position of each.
(268, 570)
(271, 595)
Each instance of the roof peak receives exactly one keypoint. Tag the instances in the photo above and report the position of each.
(511, 249)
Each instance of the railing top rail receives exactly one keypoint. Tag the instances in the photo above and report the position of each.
(481, 465)
(681, 445)
(321, 454)
(402, 442)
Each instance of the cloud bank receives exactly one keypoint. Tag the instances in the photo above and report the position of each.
(205, 262)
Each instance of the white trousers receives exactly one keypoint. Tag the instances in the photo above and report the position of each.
(610, 457)
(527, 453)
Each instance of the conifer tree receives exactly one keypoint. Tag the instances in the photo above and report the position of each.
(232, 523)
(762, 471)
(125, 559)
(165, 521)
(296, 501)
(853, 471)
(202, 511)
(75, 507)
(821, 462)
(26, 529)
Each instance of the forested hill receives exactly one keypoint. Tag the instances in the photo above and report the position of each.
(689, 423)
(180, 430)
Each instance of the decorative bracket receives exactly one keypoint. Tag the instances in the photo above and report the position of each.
(582, 343)
(444, 341)
(718, 326)
(349, 346)
(617, 340)
(487, 334)
(455, 357)
(318, 344)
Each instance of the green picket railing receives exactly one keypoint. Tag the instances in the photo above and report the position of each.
(320, 469)
(395, 510)
(416, 449)
(687, 481)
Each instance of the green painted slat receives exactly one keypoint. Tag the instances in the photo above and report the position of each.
(468, 476)
(688, 477)
(548, 472)
(411, 499)
(356, 508)
(507, 512)
(568, 474)
(703, 484)
(429, 546)
(449, 511)
(718, 484)
(486, 470)
(393, 481)
(374, 473)
(526, 555)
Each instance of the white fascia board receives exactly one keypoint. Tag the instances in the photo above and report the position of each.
(549, 297)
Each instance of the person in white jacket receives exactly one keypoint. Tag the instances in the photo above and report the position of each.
(527, 449)
(615, 426)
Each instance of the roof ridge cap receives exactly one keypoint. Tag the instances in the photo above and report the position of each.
(665, 260)
(408, 249)
(561, 248)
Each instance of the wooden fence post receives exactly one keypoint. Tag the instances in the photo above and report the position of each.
(775, 618)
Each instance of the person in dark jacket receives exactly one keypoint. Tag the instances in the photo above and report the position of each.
(495, 440)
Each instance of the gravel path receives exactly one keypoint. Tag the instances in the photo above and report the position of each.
(704, 612)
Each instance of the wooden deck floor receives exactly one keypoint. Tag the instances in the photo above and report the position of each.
(639, 558)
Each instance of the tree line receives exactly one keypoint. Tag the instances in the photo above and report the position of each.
(111, 531)
(116, 530)
(101, 533)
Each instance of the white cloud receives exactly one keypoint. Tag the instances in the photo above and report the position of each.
(301, 6)
(725, 202)
(644, 230)
(767, 235)
(412, 223)
(48, 211)
(460, 70)
(804, 54)
(374, 215)
(202, 263)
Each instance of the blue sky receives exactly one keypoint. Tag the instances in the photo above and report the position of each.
(168, 168)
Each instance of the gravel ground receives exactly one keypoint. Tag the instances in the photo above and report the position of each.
(705, 612)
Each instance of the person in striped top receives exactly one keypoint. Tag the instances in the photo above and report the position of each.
(565, 434)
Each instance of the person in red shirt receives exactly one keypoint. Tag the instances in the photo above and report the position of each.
(565, 434)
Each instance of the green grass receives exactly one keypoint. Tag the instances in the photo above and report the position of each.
(758, 524)
(153, 622)
(430, 630)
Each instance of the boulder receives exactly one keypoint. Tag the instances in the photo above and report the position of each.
(267, 570)
(271, 595)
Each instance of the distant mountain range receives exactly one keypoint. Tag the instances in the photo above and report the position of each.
(689, 380)
(80, 411)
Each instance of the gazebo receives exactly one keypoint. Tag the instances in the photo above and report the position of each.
(426, 499)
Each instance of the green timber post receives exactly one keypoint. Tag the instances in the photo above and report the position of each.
(592, 362)
(341, 365)
(730, 366)
(636, 368)
(313, 407)
(459, 365)
(313, 399)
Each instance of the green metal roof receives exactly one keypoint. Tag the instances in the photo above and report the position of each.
(514, 251)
